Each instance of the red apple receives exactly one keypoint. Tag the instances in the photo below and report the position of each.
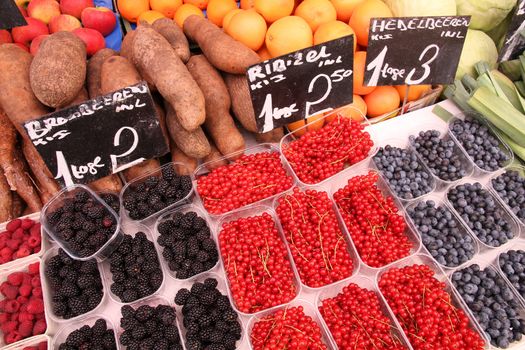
(92, 38)
(5, 37)
(22, 46)
(43, 10)
(99, 18)
(25, 34)
(75, 7)
(35, 44)
(23, 11)
(64, 23)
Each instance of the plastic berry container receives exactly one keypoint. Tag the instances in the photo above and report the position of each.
(466, 164)
(48, 292)
(294, 136)
(203, 170)
(503, 146)
(308, 309)
(131, 229)
(440, 201)
(66, 328)
(167, 216)
(513, 167)
(250, 212)
(21, 266)
(366, 283)
(363, 169)
(514, 226)
(221, 287)
(58, 201)
(423, 259)
(44, 244)
(30, 342)
(516, 245)
(356, 262)
(177, 167)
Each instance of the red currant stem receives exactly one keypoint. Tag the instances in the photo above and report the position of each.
(235, 268)
(332, 310)
(251, 273)
(321, 219)
(379, 203)
(424, 289)
(300, 254)
(291, 208)
(339, 160)
(357, 341)
(264, 188)
(418, 337)
(373, 228)
(300, 331)
(336, 245)
(263, 260)
(211, 199)
(451, 323)
(360, 323)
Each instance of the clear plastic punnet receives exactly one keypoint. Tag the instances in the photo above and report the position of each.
(61, 335)
(513, 167)
(518, 245)
(30, 342)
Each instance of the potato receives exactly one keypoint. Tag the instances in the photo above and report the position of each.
(126, 50)
(219, 123)
(177, 156)
(94, 69)
(58, 70)
(223, 52)
(241, 100)
(175, 36)
(117, 73)
(155, 56)
(273, 136)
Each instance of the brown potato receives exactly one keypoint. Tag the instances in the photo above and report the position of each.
(175, 36)
(241, 100)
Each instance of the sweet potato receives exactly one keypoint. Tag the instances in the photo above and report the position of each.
(20, 105)
(219, 123)
(58, 70)
(175, 36)
(109, 183)
(6, 200)
(94, 68)
(214, 159)
(193, 143)
(273, 136)
(178, 156)
(155, 56)
(224, 52)
(18, 205)
(126, 50)
(162, 116)
(81, 97)
(241, 100)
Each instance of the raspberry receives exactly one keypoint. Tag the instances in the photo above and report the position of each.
(34, 269)
(27, 224)
(13, 225)
(25, 328)
(22, 252)
(4, 317)
(35, 231)
(6, 253)
(11, 306)
(25, 290)
(35, 281)
(16, 278)
(22, 300)
(35, 306)
(4, 236)
(9, 291)
(37, 292)
(13, 337)
(18, 234)
(9, 326)
(24, 316)
(13, 244)
(39, 327)
(34, 241)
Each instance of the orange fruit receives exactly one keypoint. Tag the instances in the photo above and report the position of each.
(316, 12)
(249, 28)
(314, 122)
(217, 9)
(344, 8)
(414, 93)
(247, 4)
(264, 54)
(166, 7)
(184, 12)
(149, 16)
(288, 34)
(360, 20)
(131, 9)
(384, 99)
(202, 4)
(355, 110)
(272, 10)
(359, 74)
(228, 17)
(333, 30)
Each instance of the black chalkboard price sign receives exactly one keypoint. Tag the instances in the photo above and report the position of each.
(309, 81)
(514, 43)
(414, 50)
(10, 15)
(99, 137)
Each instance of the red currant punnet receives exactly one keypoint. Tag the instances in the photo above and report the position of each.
(318, 245)
(322, 153)
(256, 263)
(373, 221)
(251, 178)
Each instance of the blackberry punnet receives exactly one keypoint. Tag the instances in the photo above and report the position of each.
(442, 234)
(482, 213)
(135, 268)
(99, 336)
(82, 223)
(76, 286)
(209, 319)
(440, 155)
(406, 176)
(483, 148)
(182, 239)
(156, 192)
(493, 304)
(148, 327)
(510, 186)
(512, 263)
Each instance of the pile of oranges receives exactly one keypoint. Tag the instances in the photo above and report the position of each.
(276, 27)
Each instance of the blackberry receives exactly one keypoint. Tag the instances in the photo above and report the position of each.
(81, 197)
(223, 303)
(96, 337)
(182, 296)
(185, 183)
(197, 288)
(112, 200)
(171, 192)
(210, 283)
(187, 221)
(96, 212)
(168, 173)
(166, 227)
(203, 234)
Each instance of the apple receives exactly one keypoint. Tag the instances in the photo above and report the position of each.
(99, 18)
(25, 34)
(43, 10)
(64, 23)
(75, 7)
(35, 44)
(5, 37)
(92, 38)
